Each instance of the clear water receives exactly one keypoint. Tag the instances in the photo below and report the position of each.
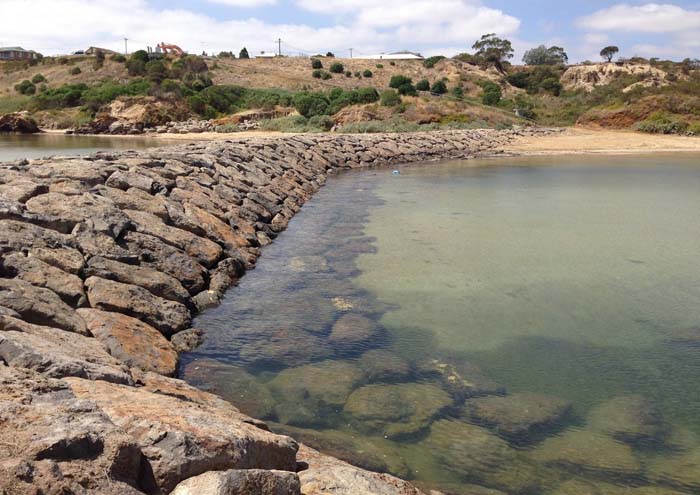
(526, 325)
(16, 147)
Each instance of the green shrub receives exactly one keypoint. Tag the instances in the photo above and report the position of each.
(397, 81)
(439, 88)
(74, 71)
(536, 79)
(136, 67)
(694, 129)
(390, 98)
(662, 123)
(62, 61)
(310, 104)
(367, 95)
(358, 74)
(96, 96)
(316, 64)
(317, 74)
(38, 78)
(492, 93)
(244, 53)
(25, 88)
(118, 57)
(321, 122)
(430, 62)
(197, 104)
(458, 92)
(156, 71)
(326, 76)
(68, 95)
(141, 55)
(367, 73)
(348, 73)
(423, 85)
(379, 66)
(337, 68)
(392, 63)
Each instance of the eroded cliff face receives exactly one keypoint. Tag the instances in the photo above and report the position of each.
(587, 77)
(104, 262)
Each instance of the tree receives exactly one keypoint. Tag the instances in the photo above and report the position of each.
(542, 55)
(609, 52)
(244, 53)
(423, 85)
(492, 93)
(493, 49)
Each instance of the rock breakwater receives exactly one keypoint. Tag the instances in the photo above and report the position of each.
(104, 262)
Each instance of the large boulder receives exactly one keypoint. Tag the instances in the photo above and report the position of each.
(54, 442)
(167, 316)
(31, 269)
(157, 283)
(353, 333)
(132, 341)
(629, 418)
(18, 123)
(39, 306)
(328, 476)
(518, 415)
(57, 353)
(397, 410)
(180, 439)
(680, 470)
(380, 365)
(241, 482)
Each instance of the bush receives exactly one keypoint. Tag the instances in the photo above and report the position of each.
(197, 104)
(367, 73)
(38, 78)
(694, 129)
(662, 123)
(392, 63)
(397, 81)
(326, 75)
(96, 96)
(423, 85)
(439, 88)
(358, 74)
(541, 78)
(316, 64)
(430, 62)
(458, 92)
(367, 95)
(348, 73)
(118, 57)
(244, 53)
(156, 71)
(68, 95)
(141, 55)
(74, 71)
(492, 93)
(136, 67)
(317, 74)
(25, 88)
(99, 61)
(337, 68)
(311, 104)
(379, 66)
(321, 122)
(390, 98)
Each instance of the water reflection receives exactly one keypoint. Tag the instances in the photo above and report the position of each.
(481, 330)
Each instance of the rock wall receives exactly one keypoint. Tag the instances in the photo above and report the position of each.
(104, 261)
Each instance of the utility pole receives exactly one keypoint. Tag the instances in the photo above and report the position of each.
(351, 49)
(126, 49)
(279, 45)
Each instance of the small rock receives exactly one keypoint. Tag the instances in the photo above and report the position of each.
(241, 482)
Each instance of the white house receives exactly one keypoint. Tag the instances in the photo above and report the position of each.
(404, 55)
(266, 55)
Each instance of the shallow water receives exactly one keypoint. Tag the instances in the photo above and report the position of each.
(527, 325)
(15, 147)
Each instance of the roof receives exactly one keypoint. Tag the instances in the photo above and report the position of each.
(13, 49)
(393, 56)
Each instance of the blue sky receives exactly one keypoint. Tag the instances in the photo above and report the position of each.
(667, 30)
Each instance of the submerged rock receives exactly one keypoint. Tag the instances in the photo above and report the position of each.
(353, 333)
(681, 470)
(383, 366)
(585, 451)
(477, 455)
(518, 415)
(590, 487)
(467, 381)
(281, 347)
(234, 384)
(630, 418)
(305, 393)
(240, 482)
(397, 410)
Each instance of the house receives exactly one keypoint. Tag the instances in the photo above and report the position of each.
(266, 55)
(16, 53)
(93, 51)
(404, 55)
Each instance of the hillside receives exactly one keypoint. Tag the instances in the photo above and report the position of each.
(352, 94)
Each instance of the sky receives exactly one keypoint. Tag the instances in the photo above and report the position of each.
(431, 27)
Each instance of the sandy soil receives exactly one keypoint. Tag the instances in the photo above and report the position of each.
(582, 140)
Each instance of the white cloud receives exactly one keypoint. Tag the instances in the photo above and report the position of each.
(647, 18)
(244, 3)
(60, 26)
